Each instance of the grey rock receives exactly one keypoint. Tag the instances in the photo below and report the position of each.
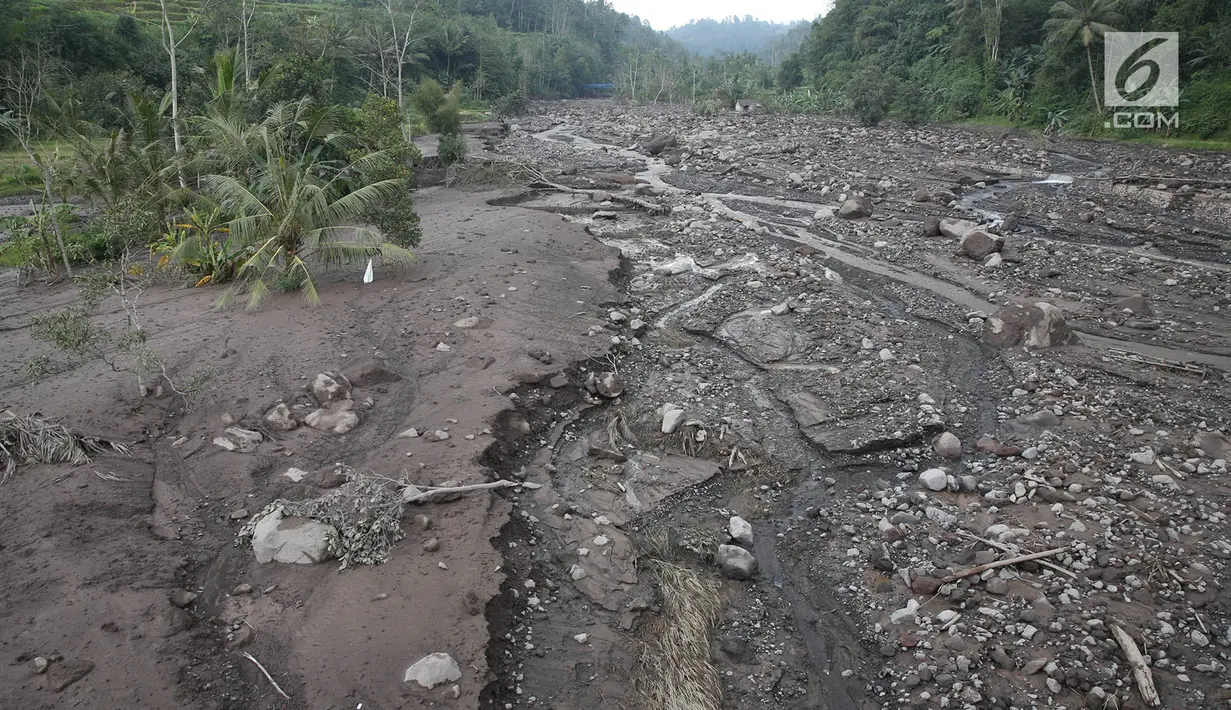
(855, 208)
(978, 244)
(467, 323)
(956, 228)
(291, 540)
(246, 441)
(1135, 303)
(740, 530)
(280, 419)
(763, 338)
(182, 598)
(609, 385)
(432, 670)
(1034, 665)
(1037, 325)
(328, 388)
(935, 479)
(672, 419)
(948, 446)
(931, 227)
(660, 143)
(368, 371)
(997, 586)
(338, 419)
(736, 562)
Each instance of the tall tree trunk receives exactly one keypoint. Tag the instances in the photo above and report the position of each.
(1093, 82)
(171, 45)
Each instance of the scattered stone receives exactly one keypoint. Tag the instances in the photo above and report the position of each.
(181, 598)
(40, 664)
(433, 670)
(467, 323)
(558, 381)
(931, 227)
(241, 589)
(581, 638)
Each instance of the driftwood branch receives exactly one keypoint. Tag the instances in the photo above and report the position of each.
(1141, 672)
(1001, 563)
(1170, 181)
(423, 494)
(652, 207)
(268, 677)
(1013, 549)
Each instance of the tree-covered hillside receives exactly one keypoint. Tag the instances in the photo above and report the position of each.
(1028, 61)
(734, 35)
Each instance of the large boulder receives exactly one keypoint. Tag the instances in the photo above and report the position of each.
(328, 388)
(762, 338)
(432, 670)
(659, 143)
(1035, 325)
(369, 372)
(856, 208)
(978, 244)
(338, 419)
(956, 228)
(292, 540)
(736, 562)
(1137, 304)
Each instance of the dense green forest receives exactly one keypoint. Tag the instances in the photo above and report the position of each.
(770, 41)
(1036, 62)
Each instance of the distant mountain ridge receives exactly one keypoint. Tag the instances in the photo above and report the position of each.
(735, 35)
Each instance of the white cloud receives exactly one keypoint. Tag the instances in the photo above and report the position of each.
(665, 14)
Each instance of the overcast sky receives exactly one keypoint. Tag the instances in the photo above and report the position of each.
(665, 14)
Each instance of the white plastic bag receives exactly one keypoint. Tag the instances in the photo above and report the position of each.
(368, 276)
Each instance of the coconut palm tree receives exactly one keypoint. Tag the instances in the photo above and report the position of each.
(1084, 21)
(296, 203)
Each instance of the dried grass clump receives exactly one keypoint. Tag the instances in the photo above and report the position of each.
(677, 673)
(33, 440)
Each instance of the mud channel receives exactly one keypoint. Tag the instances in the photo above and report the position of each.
(817, 360)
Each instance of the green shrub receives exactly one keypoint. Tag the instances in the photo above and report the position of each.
(511, 104)
(441, 112)
(1205, 108)
(910, 104)
(452, 148)
(871, 89)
